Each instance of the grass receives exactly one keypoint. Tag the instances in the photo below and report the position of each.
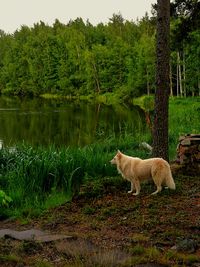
(183, 119)
(39, 178)
(141, 254)
(12, 259)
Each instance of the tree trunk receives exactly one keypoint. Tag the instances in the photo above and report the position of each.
(184, 76)
(199, 85)
(148, 85)
(179, 73)
(170, 78)
(96, 78)
(160, 130)
(177, 81)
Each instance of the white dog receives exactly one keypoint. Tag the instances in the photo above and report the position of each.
(135, 170)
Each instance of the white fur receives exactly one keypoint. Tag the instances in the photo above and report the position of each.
(136, 170)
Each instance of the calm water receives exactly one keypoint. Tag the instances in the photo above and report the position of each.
(59, 122)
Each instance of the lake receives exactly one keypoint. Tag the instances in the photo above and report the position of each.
(61, 122)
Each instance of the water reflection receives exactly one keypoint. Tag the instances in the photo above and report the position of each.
(44, 122)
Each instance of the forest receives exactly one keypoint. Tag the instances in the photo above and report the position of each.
(117, 58)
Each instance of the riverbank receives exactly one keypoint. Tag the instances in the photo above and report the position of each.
(107, 98)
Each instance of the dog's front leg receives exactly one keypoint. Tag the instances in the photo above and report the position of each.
(137, 187)
(132, 187)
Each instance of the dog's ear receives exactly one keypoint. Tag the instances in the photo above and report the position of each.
(119, 154)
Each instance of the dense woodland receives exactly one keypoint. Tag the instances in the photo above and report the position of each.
(78, 58)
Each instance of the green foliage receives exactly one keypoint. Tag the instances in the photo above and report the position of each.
(81, 59)
(4, 199)
(145, 102)
(77, 58)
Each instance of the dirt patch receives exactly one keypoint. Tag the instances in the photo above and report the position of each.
(114, 229)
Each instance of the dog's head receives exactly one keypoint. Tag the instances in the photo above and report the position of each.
(116, 158)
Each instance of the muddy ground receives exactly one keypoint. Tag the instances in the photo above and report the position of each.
(109, 227)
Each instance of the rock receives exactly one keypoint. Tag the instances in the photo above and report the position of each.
(146, 146)
(32, 234)
(186, 245)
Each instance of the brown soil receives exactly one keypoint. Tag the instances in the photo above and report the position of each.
(114, 229)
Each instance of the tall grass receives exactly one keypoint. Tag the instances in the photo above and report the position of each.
(37, 178)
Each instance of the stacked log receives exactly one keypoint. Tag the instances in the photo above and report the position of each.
(188, 151)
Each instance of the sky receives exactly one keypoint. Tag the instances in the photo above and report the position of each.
(15, 13)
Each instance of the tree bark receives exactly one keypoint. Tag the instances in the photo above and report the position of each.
(180, 73)
(160, 129)
(177, 80)
(170, 79)
(184, 76)
(96, 78)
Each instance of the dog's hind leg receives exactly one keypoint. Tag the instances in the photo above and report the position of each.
(132, 187)
(157, 178)
(159, 188)
(137, 187)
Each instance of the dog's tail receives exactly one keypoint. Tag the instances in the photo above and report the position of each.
(170, 181)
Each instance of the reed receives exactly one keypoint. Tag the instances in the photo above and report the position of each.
(37, 178)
